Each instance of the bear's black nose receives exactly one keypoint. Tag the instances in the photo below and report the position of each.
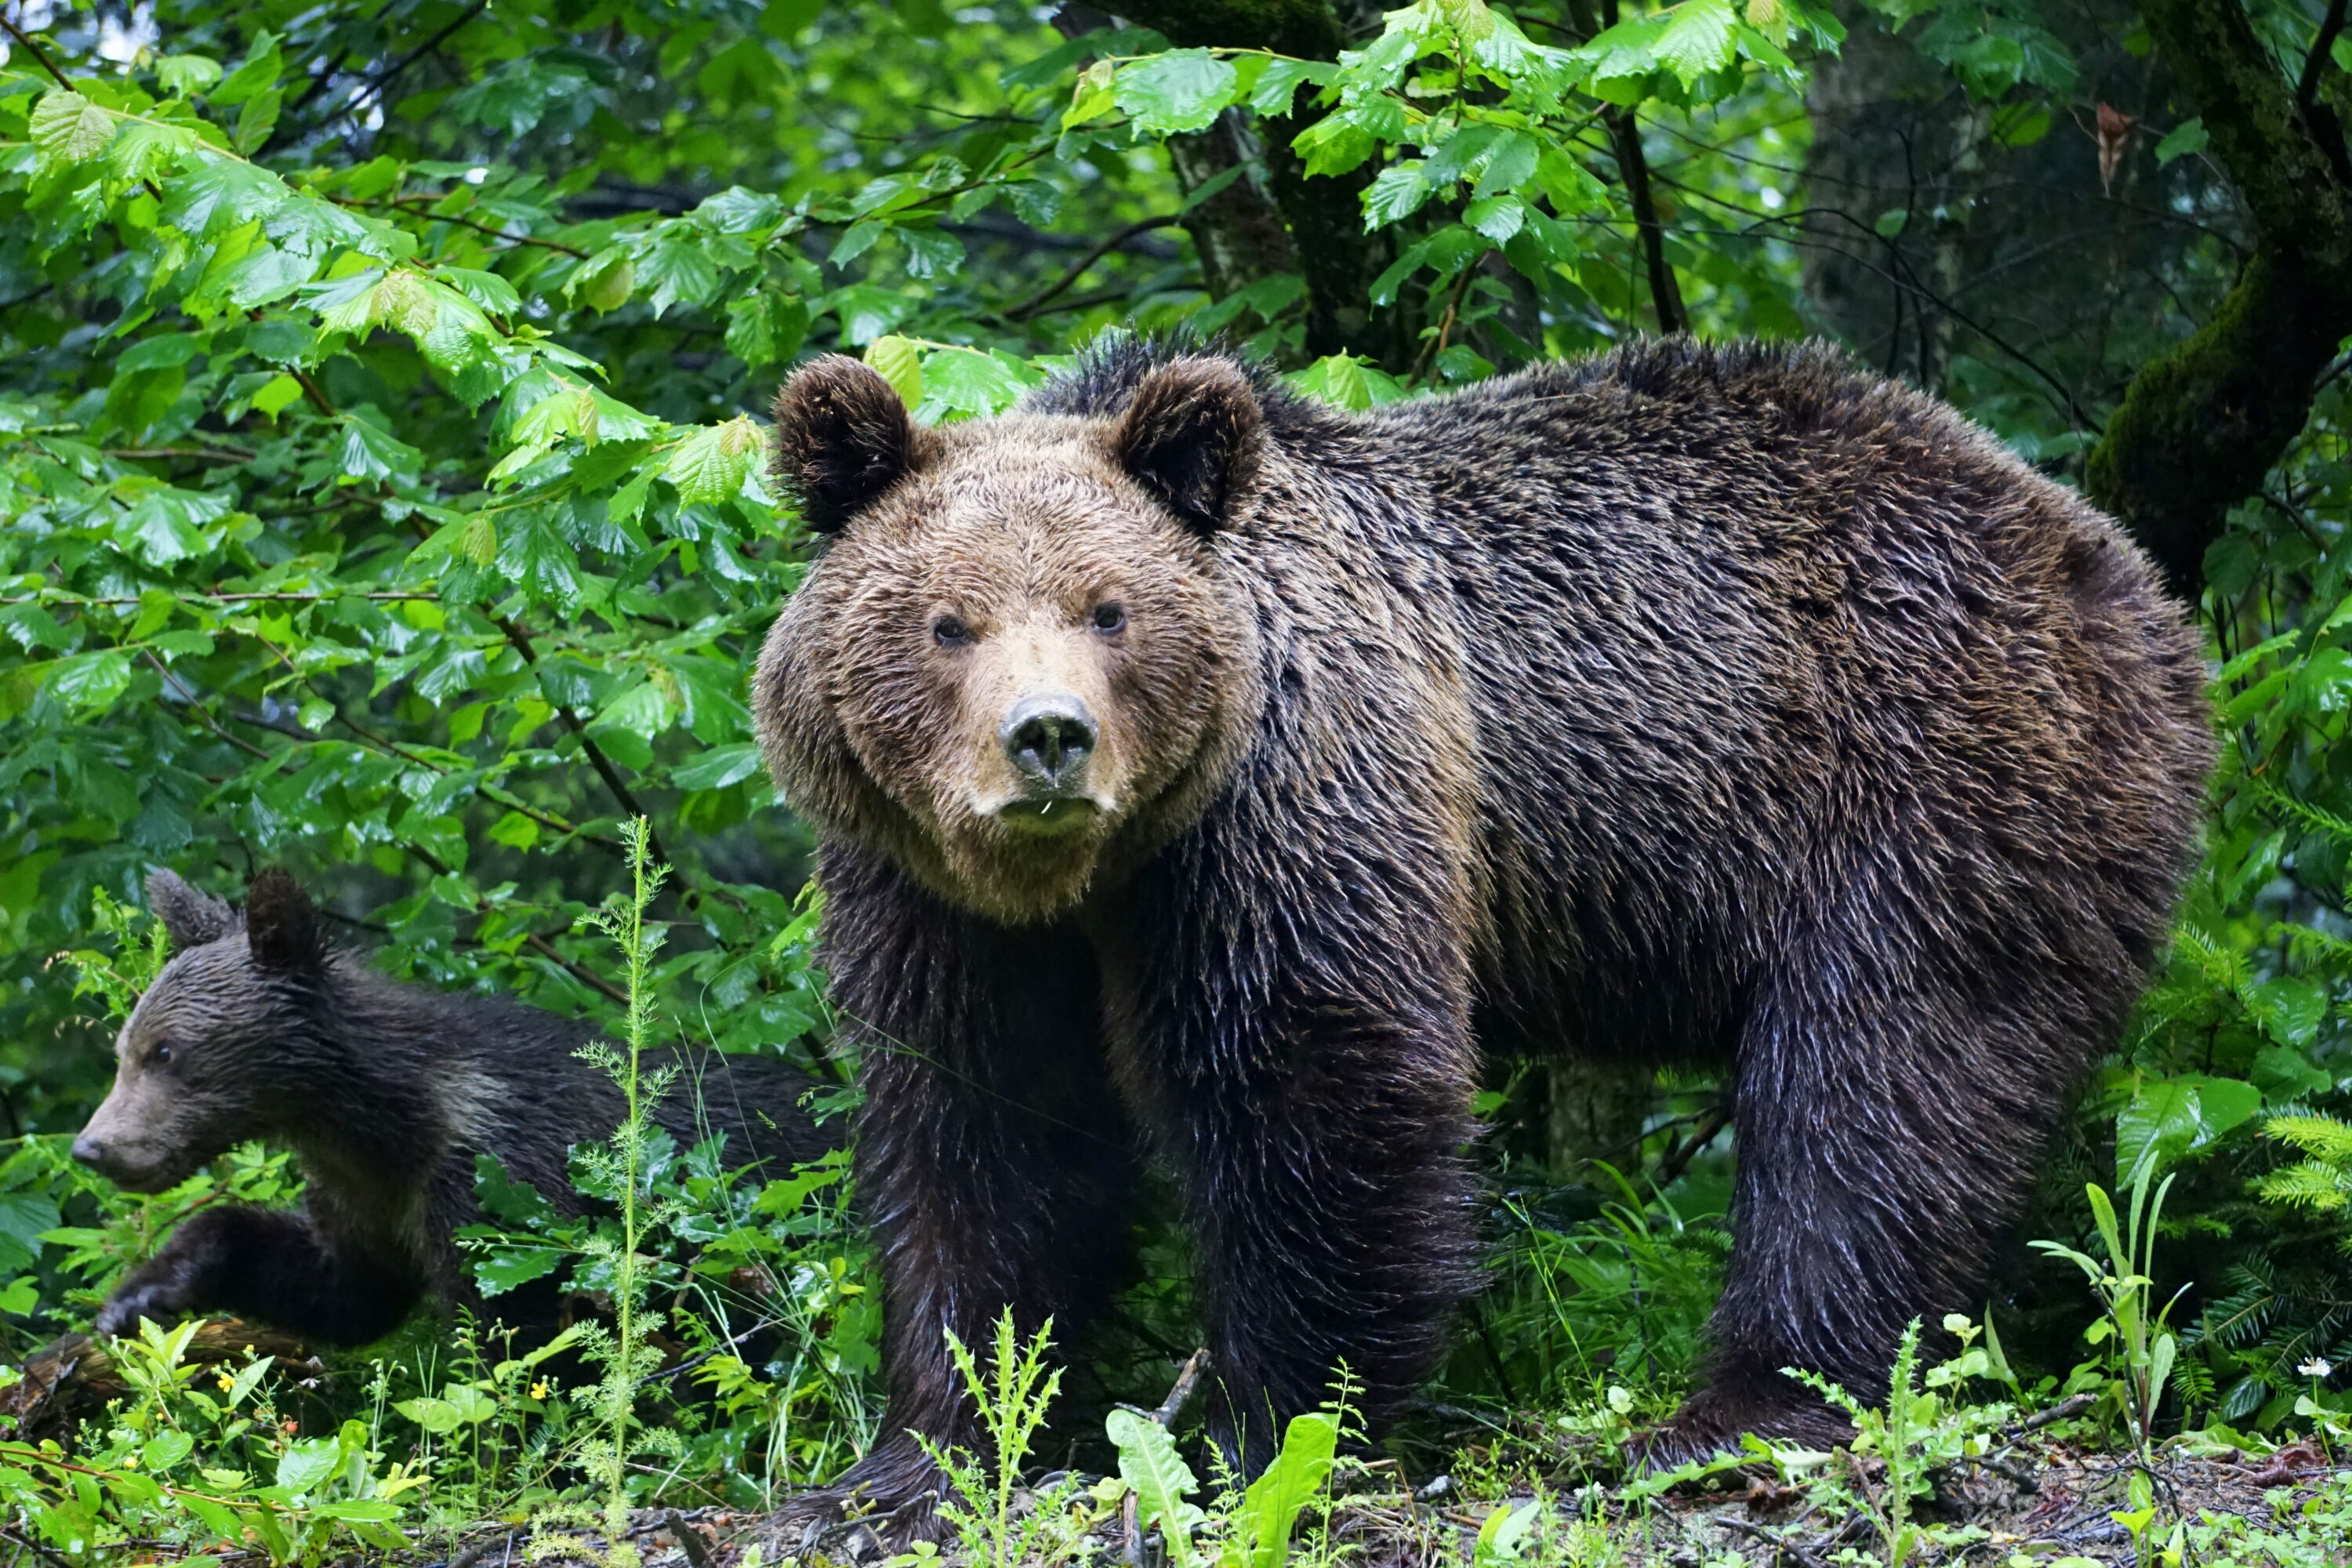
(88, 1151)
(1049, 739)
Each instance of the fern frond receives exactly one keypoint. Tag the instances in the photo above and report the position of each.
(2310, 1185)
(2323, 1138)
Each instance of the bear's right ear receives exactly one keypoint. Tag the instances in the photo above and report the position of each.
(282, 924)
(843, 437)
(189, 919)
(1191, 435)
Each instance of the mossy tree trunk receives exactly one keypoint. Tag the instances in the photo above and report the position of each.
(2200, 427)
(1324, 215)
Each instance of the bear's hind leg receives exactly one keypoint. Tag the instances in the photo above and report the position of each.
(1894, 1094)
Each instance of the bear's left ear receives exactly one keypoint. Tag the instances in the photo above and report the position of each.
(1191, 435)
(189, 919)
(283, 925)
(843, 437)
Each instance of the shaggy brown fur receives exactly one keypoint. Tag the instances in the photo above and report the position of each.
(1688, 702)
(256, 1028)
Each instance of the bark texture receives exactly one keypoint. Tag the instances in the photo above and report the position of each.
(2200, 426)
(1323, 215)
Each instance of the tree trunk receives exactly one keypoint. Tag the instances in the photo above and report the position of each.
(2202, 425)
(1324, 215)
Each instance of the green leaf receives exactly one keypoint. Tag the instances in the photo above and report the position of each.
(900, 362)
(966, 381)
(710, 465)
(1395, 195)
(2182, 141)
(2172, 1117)
(373, 454)
(677, 270)
(2289, 1009)
(308, 1461)
(24, 1217)
(1270, 1507)
(183, 75)
(1277, 84)
(1163, 1483)
(1698, 40)
(89, 683)
(2284, 1075)
(1171, 93)
(718, 767)
(1348, 381)
(68, 128)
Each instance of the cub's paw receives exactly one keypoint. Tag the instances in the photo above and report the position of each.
(160, 1299)
(881, 1506)
(1710, 1424)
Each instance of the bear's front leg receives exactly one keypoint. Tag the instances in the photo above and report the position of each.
(1332, 1202)
(264, 1264)
(993, 1157)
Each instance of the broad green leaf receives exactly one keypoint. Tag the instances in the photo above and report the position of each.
(900, 362)
(2169, 1117)
(308, 1461)
(718, 767)
(1395, 195)
(1698, 40)
(966, 381)
(1163, 1483)
(1180, 91)
(70, 129)
(2182, 141)
(710, 465)
(183, 75)
(1270, 1507)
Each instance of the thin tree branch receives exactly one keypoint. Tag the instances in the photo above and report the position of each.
(1665, 293)
(2323, 53)
(34, 49)
(376, 84)
(1035, 302)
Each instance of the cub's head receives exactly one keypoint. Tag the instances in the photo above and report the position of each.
(1019, 666)
(215, 1052)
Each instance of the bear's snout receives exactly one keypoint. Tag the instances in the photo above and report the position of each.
(1049, 740)
(118, 1165)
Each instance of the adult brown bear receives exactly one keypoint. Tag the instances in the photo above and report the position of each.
(1206, 773)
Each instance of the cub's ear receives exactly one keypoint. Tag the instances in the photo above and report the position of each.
(842, 438)
(1191, 435)
(283, 925)
(189, 919)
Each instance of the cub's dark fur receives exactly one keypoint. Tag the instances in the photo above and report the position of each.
(258, 1028)
(1206, 773)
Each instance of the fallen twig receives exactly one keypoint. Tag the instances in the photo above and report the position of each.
(690, 1539)
(1780, 1543)
(1188, 1383)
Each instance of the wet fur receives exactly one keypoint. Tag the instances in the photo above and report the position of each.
(1688, 703)
(385, 1092)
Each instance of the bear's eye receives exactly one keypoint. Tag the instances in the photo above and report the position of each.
(949, 632)
(1110, 617)
(162, 1054)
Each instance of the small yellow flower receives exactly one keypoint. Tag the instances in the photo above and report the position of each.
(539, 1389)
(225, 1381)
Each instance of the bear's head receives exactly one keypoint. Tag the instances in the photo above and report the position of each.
(213, 1054)
(1019, 666)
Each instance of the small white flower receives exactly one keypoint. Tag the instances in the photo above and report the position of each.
(2315, 1367)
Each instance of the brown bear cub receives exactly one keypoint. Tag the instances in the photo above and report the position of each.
(1209, 774)
(258, 1028)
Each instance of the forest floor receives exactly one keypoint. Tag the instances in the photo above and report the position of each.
(2058, 1506)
